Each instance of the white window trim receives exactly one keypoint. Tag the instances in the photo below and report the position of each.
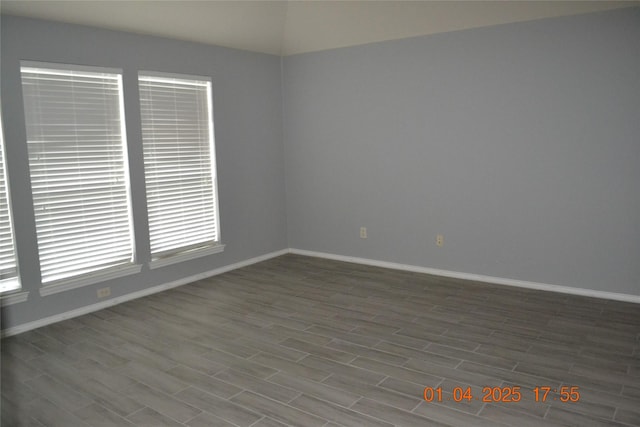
(70, 67)
(90, 279)
(186, 256)
(13, 285)
(214, 246)
(9, 285)
(13, 297)
(116, 271)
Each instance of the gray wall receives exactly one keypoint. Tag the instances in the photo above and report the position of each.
(248, 121)
(519, 143)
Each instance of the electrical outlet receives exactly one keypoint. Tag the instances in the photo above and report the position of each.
(363, 232)
(439, 240)
(104, 292)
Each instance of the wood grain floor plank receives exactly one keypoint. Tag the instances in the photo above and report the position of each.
(306, 341)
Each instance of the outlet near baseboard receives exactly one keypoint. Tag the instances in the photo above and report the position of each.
(104, 292)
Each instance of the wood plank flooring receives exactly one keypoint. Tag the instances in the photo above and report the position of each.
(302, 341)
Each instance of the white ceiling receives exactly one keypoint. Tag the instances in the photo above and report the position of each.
(290, 27)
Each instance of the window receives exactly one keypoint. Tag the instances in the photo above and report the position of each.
(8, 268)
(179, 164)
(79, 178)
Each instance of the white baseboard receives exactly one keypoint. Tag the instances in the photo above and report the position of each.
(134, 295)
(385, 264)
(475, 277)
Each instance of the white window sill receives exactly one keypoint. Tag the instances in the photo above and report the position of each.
(185, 256)
(13, 298)
(89, 279)
(9, 285)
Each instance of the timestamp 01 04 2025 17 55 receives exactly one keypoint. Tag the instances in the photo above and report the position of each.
(503, 394)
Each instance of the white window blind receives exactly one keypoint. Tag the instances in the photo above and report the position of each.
(78, 165)
(179, 162)
(8, 268)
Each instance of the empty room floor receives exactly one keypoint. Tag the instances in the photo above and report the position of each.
(303, 341)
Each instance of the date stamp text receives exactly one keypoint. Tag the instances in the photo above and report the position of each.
(503, 394)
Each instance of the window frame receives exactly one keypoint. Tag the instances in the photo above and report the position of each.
(99, 274)
(205, 248)
(13, 285)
